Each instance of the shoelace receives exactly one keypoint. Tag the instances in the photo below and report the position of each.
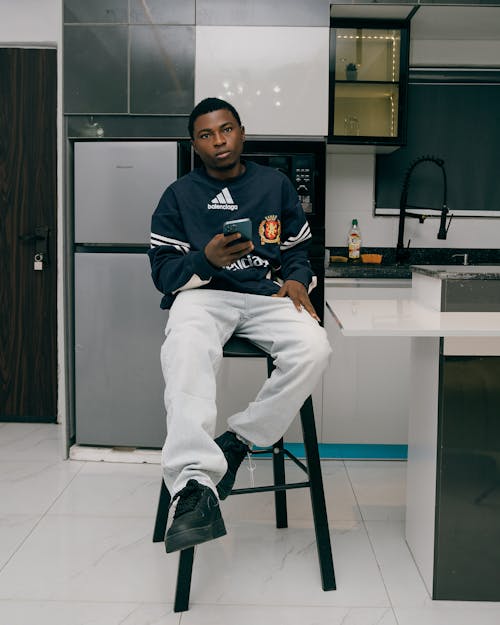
(251, 468)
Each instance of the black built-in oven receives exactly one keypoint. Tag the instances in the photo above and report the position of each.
(304, 162)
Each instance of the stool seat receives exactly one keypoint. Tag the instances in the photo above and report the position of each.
(240, 347)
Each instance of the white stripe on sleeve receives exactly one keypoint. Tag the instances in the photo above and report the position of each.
(303, 235)
(194, 282)
(181, 246)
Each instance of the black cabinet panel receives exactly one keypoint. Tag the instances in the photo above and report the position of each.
(127, 126)
(95, 11)
(471, 295)
(95, 69)
(162, 69)
(467, 557)
(263, 13)
(162, 12)
(435, 112)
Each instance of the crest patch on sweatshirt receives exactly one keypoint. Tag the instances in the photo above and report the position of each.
(270, 229)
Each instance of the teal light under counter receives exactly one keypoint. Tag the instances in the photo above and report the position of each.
(346, 451)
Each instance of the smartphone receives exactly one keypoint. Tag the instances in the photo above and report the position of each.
(243, 226)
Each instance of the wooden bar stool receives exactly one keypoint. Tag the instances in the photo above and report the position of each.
(237, 347)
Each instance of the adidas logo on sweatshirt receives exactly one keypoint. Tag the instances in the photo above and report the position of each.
(223, 201)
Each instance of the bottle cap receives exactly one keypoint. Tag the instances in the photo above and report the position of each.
(354, 222)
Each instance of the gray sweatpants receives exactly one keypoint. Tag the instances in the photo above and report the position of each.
(200, 322)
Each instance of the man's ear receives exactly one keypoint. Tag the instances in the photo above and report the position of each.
(194, 147)
(243, 133)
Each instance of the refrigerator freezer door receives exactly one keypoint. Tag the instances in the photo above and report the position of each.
(117, 187)
(119, 330)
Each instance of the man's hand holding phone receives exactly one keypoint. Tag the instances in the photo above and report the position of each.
(234, 243)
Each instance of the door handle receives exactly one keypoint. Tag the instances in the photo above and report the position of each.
(41, 233)
(40, 237)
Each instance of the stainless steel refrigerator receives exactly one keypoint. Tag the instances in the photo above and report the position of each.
(119, 326)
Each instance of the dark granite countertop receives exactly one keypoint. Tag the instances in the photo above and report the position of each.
(468, 272)
(483, 263)
(361, 270)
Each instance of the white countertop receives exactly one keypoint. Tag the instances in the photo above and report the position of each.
(405, 317)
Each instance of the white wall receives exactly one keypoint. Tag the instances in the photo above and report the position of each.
(427, 52)
(37, 24)
(28, 22)
(351, 182)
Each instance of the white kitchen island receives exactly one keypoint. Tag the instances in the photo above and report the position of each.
(453, 475)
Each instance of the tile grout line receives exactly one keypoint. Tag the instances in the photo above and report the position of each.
(352, 489)
(41, 517)
(371, 546)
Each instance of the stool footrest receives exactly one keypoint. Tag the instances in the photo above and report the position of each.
(267, 489)
(286, 452)
(298, 462)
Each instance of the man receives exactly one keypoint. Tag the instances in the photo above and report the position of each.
(216, 285)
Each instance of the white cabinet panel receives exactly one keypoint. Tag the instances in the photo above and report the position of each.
(365, 388)
(277, 78)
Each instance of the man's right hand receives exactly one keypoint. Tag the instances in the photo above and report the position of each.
(222, 250)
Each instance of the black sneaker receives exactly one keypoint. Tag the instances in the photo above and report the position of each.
(197, 518)
(234, 452)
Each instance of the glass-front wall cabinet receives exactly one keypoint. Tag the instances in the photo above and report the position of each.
(368, 79)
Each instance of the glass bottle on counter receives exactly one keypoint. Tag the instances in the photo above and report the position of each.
(354, 242)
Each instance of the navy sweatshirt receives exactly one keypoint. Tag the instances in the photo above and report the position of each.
(192, 211)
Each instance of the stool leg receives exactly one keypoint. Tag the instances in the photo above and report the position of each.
(317, 496)
(186, 556)
(161, 514)
(184, 574)
(278, 470)
(279, 480)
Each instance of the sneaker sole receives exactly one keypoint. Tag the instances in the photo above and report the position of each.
(195, 536)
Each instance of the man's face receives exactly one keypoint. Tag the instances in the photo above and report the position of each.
(218, 140)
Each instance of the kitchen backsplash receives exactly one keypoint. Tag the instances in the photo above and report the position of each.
(350, 194)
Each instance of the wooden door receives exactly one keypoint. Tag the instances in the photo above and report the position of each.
(28, 225)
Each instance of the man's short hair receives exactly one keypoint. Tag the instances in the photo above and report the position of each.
(208, 105)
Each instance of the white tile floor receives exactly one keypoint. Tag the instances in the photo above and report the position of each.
(75, 549)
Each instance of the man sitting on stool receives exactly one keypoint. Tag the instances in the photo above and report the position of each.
(216, 285)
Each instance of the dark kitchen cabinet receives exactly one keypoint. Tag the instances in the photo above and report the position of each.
(368, 82)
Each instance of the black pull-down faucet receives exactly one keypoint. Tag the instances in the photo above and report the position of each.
(403, 254)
